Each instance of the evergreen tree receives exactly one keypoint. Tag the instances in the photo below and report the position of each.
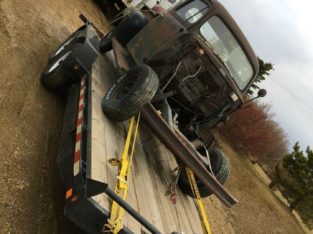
(264, 71)
(299, 186)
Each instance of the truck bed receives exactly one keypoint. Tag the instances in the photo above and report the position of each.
(152, 168)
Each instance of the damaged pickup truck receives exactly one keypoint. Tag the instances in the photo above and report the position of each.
(193, 63)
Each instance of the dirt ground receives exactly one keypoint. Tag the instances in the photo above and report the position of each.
(258, 210)
(31, 195)
(31, 117)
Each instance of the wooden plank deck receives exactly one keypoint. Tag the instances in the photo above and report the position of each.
(152, 169)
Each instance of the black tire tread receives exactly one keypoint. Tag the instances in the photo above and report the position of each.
(142, 93)
(221, 168)
(221, 163)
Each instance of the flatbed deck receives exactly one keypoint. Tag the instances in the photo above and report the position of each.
(152, 169)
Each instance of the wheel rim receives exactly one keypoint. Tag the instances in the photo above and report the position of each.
(63, 46)
(56, 64)
(124, 87)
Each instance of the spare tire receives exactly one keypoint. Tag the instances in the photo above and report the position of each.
(126, 29)
(130, 93)
(220, 167)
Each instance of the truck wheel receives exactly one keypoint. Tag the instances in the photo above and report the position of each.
(53, 77)
(221, 169)
(130, 93)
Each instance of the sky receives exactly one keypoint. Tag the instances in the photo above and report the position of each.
(281, 33)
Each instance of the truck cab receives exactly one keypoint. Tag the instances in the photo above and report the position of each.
(204, 63)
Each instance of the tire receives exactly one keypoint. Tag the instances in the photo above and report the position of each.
(129, 26)
(54, 78)
(126, 28)
(130, 93)
(221, 169)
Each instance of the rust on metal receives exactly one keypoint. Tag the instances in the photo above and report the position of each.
(121, 55)
(181, 152)
(196, 82)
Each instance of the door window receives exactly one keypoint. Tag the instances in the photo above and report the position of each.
(193, 11)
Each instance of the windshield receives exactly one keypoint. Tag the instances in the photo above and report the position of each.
(228, 49)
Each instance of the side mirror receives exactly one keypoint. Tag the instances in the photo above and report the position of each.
(262, 93)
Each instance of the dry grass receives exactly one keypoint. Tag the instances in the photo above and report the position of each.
(258, 210)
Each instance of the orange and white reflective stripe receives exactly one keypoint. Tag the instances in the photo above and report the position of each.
(69, 193)
(80, 117)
